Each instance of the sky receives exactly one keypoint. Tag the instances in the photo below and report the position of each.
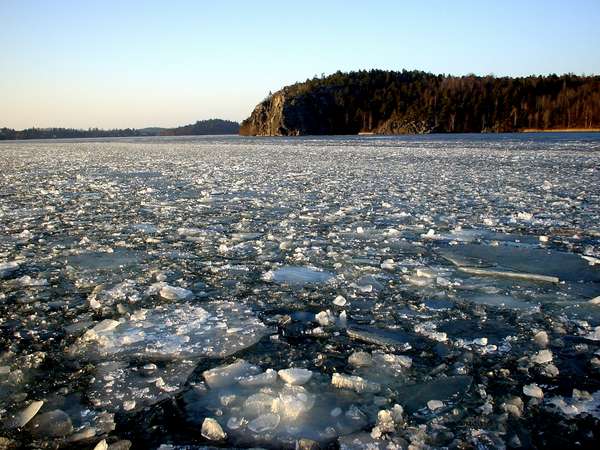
(118, 64)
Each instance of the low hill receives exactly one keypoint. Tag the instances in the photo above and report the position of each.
(408, 102)
(204, 127)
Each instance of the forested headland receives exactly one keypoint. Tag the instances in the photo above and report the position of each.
(387, 102)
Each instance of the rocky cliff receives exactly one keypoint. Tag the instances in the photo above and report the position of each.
(412, 102)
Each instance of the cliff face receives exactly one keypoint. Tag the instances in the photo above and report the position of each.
(267, 119)
(383, 102)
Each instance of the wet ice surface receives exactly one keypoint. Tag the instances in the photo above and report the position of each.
(351, 292)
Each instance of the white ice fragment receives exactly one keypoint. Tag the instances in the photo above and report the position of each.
(262, 379)
(336, 412)
(533, 390)
(341, 301)
(595, 301)
(227, 375)
(297, 275)
(355, 383)
(395, 362)
(175, 293)
(235, 423)
(293, 401)
(24, 416)
(106, 325)
(594, 335)
(388, 264)
(102, 445)
(509, 274)
(542, 357)
(397, 413)
(325, 318)
(211, 430)
(590, 259)
(27, 281)
(430, 234)
(360, 359)
(128, 405)
(541, 339)
(434, 405)
(8, 268)
(543, 239)
(343, 320)
(265, 422)
(428, 329)
(565, 408)
(295, 376)
(257, 404)
(523, 215)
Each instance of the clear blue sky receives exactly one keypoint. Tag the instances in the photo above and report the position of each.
(132, 64)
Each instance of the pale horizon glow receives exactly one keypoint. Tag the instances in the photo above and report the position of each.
(114, 64)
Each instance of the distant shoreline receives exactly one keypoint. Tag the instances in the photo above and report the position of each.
(361, 134)
(560, 130)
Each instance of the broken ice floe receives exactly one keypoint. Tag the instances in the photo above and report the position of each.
(174, 336)
(281, 410)
(297, 275)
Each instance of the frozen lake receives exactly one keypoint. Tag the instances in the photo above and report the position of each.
(360, 292)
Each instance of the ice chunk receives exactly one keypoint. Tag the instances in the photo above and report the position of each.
(102, 445)
(388, 264)
(27, 281)
(542, 357)
(339, 301)
(258, 404)
(381, 337)
(297, 275)
(265, 422)
(122, 385)
(174, 331)
(354, 383)
(262, 379)
(175, 293)
(594, 335)
(396, 362)
(577, 404)
(211, 430)
(8, 268)
(434, 405)
(105, 325)
(533, 390)
(509, 274)
(295, 376)
(360, 359)
(229, 374)
(541, 339)
(24, 416)
(293, 401)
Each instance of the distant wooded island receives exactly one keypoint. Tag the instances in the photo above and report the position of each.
(201, 127)
(415, 102)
